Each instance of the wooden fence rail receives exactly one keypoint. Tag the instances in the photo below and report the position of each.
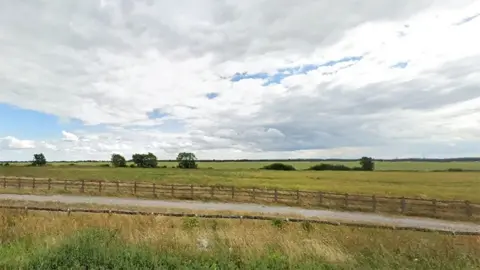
(447, 209)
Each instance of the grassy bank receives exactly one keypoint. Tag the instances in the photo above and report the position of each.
(438, 185)
(52, 241)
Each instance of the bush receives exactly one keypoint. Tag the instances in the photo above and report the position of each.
(279, 167)
(132, 166)
(145, 160)
(6, 164)
(455, 170)
(329, 167)
(39, 160)
(105, 165)
(118, 161)
(278, 223)
(367, 163)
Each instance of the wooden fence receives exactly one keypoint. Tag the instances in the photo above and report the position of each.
(446, 209)
(26, 209)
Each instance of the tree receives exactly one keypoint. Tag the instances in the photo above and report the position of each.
(187, 160)
(118, 161)
(145, 160)
(39, 160)
(367, 163)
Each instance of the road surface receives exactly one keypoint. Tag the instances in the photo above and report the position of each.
(349, 217)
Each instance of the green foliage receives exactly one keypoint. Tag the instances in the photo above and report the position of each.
(455, 170)
(6, 164)
(329, 167)
(187, 160)
(105, 165)
(132, 166)
(278, 223)
(118, 160)
(145, 160)
(190, 222)
(39, 160)
(279, 167)
(367, 163)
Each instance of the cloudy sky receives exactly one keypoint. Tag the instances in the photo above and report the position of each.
(239, 79)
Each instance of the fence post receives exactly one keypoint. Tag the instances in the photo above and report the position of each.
(346, 200)
(253, 194)
(434, 205)
(99, 186)
(154, 187)
(49, 183)
(19, 183)
(374, 203)
(276, 195)
(191, 191)
(320, 198)
(173, 191)
(233, 192)
(4, 182)
(65, 185)
(469, 209)
(298, 197)
(118, 186)
(212, 191)
(82, 189)
(33, 183)
(135, 188)
(403, 205)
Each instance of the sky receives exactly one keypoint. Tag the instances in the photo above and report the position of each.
(239, 79)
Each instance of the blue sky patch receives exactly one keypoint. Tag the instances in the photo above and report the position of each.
(400, 65)
(283, 73)
(29, 124)
(156, 114)
(211, 95)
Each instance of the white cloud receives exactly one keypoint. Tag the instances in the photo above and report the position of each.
(12, 143)
(115, 62)
(69, 137)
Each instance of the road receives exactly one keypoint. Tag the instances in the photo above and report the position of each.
(349, 217)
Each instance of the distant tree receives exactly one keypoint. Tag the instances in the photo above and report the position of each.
(118, 160)
(39, 160)
(187, 160)
(145, 160)
(6, 164)
(367, 163)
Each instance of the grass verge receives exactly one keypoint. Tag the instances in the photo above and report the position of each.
(57, 241)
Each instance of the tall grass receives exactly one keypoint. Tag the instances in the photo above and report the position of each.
(57, 241)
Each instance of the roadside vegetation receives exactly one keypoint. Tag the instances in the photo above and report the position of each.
(81, 241)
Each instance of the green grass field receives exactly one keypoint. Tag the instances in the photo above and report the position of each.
(99, 241)
(300, 165)
(439, 185)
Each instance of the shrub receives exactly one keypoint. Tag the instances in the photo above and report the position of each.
(187, 160)
(190, 222)
(278, 223)
(105, 165)
(329, 167)
(118, 161)
(455, 170)
(6, 164)
(307, 226)
(279, 167)
(71, 164)
(39, 160)
(132, 166)
(145, 160)
(367, 163)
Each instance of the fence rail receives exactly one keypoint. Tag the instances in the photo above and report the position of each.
(26, 209)
(446, 209)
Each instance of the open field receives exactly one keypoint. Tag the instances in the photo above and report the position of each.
(54, 240)
(302, 165)
(429, 185)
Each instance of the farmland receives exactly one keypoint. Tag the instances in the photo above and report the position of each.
(128, 242)
(422, 184)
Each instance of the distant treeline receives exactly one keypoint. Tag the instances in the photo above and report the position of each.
(464, 159)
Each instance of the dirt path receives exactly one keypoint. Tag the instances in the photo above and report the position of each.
(357, 217)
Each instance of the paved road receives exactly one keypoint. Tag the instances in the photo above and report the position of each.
(356, 217)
